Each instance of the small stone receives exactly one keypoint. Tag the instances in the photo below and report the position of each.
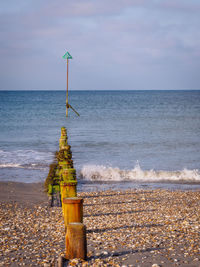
(84, 264)
(97, 254)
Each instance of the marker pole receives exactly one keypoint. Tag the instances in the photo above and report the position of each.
(67, 89)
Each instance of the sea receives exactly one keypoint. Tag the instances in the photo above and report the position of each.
(121, 140)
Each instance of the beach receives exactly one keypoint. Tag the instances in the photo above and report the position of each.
(129, 227)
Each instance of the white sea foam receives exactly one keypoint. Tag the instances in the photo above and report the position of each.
(26, 159)
(25, 166)
(10, 165)
(103, 173)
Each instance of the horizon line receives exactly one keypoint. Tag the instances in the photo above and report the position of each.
(79, 90)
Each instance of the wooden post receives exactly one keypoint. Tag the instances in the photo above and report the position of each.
(63, 139)
(69, 174)
(63, 142)
(76, 244)
(63, 131)
(66, 164)
(73, 210)
(68, 190)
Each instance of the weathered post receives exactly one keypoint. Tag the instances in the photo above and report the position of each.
(63, 138)
(76, 244)
(67, 173)
(68, 189)
(52, 185)
(73, 210)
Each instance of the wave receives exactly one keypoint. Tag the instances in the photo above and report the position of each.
(26, 159)
(103, 173)
(25, 166)
(9, 165)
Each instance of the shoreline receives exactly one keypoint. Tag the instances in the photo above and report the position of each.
(128, 227)
(90, 186)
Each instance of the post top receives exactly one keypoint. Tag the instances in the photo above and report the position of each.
(72, 200)
(67, 56)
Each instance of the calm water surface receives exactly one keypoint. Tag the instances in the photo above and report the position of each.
(122, 138)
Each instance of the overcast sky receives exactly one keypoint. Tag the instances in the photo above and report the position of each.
(115, 44)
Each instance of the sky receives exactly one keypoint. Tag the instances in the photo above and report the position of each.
(115, 44)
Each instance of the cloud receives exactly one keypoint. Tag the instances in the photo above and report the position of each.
(88, 8)
(182, 6)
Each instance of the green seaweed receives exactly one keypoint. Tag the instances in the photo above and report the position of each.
(63, 154)
(52, 177)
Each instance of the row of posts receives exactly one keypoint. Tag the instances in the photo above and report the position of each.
(72, 206)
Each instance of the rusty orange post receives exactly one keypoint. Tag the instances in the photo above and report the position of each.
(76, 244)
(68, 190)
(73, 210)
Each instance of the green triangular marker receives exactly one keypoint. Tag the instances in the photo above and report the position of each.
(67, 56)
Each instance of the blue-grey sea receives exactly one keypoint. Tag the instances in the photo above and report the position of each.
(122, 139)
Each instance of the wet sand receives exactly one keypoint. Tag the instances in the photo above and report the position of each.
(27, 194)
(130, 228)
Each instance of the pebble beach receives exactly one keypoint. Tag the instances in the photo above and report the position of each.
(124, 228)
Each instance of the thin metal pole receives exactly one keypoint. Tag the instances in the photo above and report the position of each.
(67, 91)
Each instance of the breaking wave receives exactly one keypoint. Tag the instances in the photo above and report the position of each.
(103, 173)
